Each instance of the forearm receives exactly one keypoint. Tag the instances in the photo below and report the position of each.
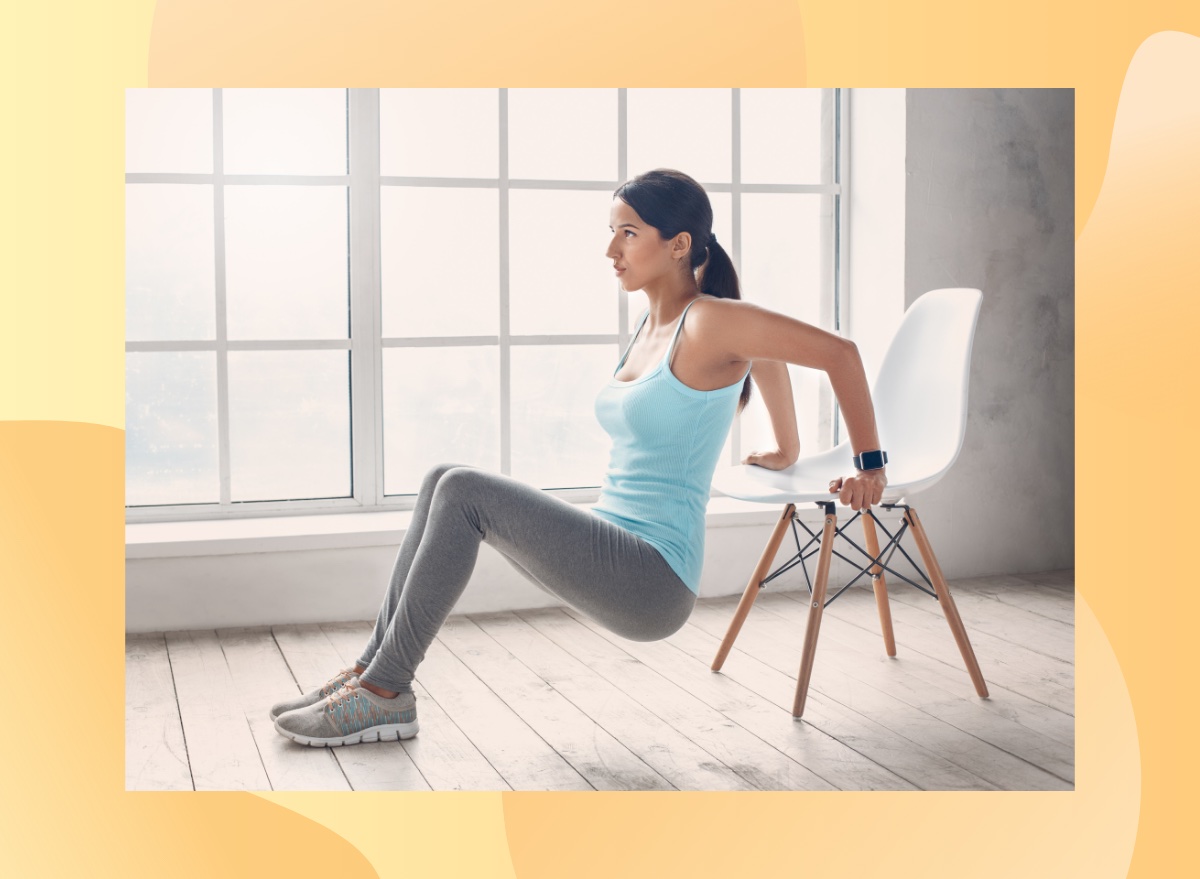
(775, 385)
(849, 381)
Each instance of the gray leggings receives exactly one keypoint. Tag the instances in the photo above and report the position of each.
(607, 573)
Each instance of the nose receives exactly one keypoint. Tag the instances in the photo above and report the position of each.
(611, 252)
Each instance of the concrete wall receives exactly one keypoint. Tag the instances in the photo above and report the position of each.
(990, 204)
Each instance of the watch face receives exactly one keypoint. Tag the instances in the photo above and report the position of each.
(870, 460)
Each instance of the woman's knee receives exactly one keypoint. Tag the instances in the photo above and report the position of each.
(459, 482)
(434, 475)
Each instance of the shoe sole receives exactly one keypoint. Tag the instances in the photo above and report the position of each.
(391, 732)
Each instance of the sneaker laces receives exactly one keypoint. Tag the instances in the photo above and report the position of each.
(337, 681)
(344, 695)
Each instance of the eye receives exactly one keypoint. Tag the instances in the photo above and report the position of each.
(628, 231)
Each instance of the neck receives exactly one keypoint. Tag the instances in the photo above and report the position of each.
(668, 300)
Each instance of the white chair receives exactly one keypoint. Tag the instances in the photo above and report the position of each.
(920, 400)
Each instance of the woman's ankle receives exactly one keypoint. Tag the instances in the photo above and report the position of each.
(378, 691)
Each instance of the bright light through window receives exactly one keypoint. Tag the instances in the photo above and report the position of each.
(329, 291)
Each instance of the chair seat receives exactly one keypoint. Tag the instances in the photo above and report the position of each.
(808, 479)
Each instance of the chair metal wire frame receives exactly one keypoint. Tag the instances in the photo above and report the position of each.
(840, 531)
(875, 568)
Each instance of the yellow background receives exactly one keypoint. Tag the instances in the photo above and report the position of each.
(1135, 69)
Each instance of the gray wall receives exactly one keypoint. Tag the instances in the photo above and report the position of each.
(990, 203)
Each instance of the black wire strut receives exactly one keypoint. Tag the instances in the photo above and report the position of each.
(893, 544)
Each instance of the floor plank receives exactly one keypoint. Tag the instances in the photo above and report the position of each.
(913, 762)
(599, 757)
(1046, 601)
(779, 644)
(864, 633)
(220, 746)
(310, 656)
(261, 678)
(670, 754)
(1016, 625)
(835, 762)
(862, 657)
(1062, 580)
(155, 752)
(763, 766)
(523, 758)
(1034, 675)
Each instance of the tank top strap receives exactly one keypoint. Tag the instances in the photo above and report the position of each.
(678, 327)
(632, 339)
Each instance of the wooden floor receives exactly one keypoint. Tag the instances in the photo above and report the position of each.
(548, 700)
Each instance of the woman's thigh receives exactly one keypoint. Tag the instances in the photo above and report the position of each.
(604, 571)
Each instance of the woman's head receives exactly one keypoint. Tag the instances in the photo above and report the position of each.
(672, 202)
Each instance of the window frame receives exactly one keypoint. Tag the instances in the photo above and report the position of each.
(364, 183)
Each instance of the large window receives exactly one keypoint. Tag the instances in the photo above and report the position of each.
(329, 290)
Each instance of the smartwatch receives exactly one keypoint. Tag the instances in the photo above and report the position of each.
(870, 460)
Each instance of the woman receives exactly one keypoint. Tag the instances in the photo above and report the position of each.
(633, 561)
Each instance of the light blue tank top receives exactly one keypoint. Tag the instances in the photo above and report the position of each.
(667, 438)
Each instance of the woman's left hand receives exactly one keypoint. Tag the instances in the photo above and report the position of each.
(864, 489)
(772, 460)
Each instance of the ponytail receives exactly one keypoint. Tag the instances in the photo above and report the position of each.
(717, 277)
(672, 202)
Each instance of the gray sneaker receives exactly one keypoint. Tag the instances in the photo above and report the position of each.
(331, 686)
(349, 716)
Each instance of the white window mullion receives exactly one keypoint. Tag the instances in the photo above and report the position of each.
(222, 345)
(735, 253)
(623, 333)
(505, 342)
(366, 393)
(842, 200)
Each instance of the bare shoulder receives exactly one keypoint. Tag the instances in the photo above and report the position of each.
(708, 312)
(743, 331)
(719, 309)
(712, 319)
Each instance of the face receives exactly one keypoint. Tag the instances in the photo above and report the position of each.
(640, 255)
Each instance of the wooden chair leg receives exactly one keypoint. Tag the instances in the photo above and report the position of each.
(947, 603)
(815, 610)
(879, 584)
(751, 593)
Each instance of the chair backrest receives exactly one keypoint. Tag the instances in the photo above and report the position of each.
(920, 395)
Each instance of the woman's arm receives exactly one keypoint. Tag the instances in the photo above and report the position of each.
(745, 331)
(775, 385)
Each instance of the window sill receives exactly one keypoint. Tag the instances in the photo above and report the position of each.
(147, 540)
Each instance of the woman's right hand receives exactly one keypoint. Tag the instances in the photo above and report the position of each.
(864, 489)
(772, 460)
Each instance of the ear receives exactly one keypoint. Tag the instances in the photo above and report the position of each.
(680, 245)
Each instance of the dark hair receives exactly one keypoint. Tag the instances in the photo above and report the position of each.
(672, 202)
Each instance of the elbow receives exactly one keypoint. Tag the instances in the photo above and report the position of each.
(847, 356)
